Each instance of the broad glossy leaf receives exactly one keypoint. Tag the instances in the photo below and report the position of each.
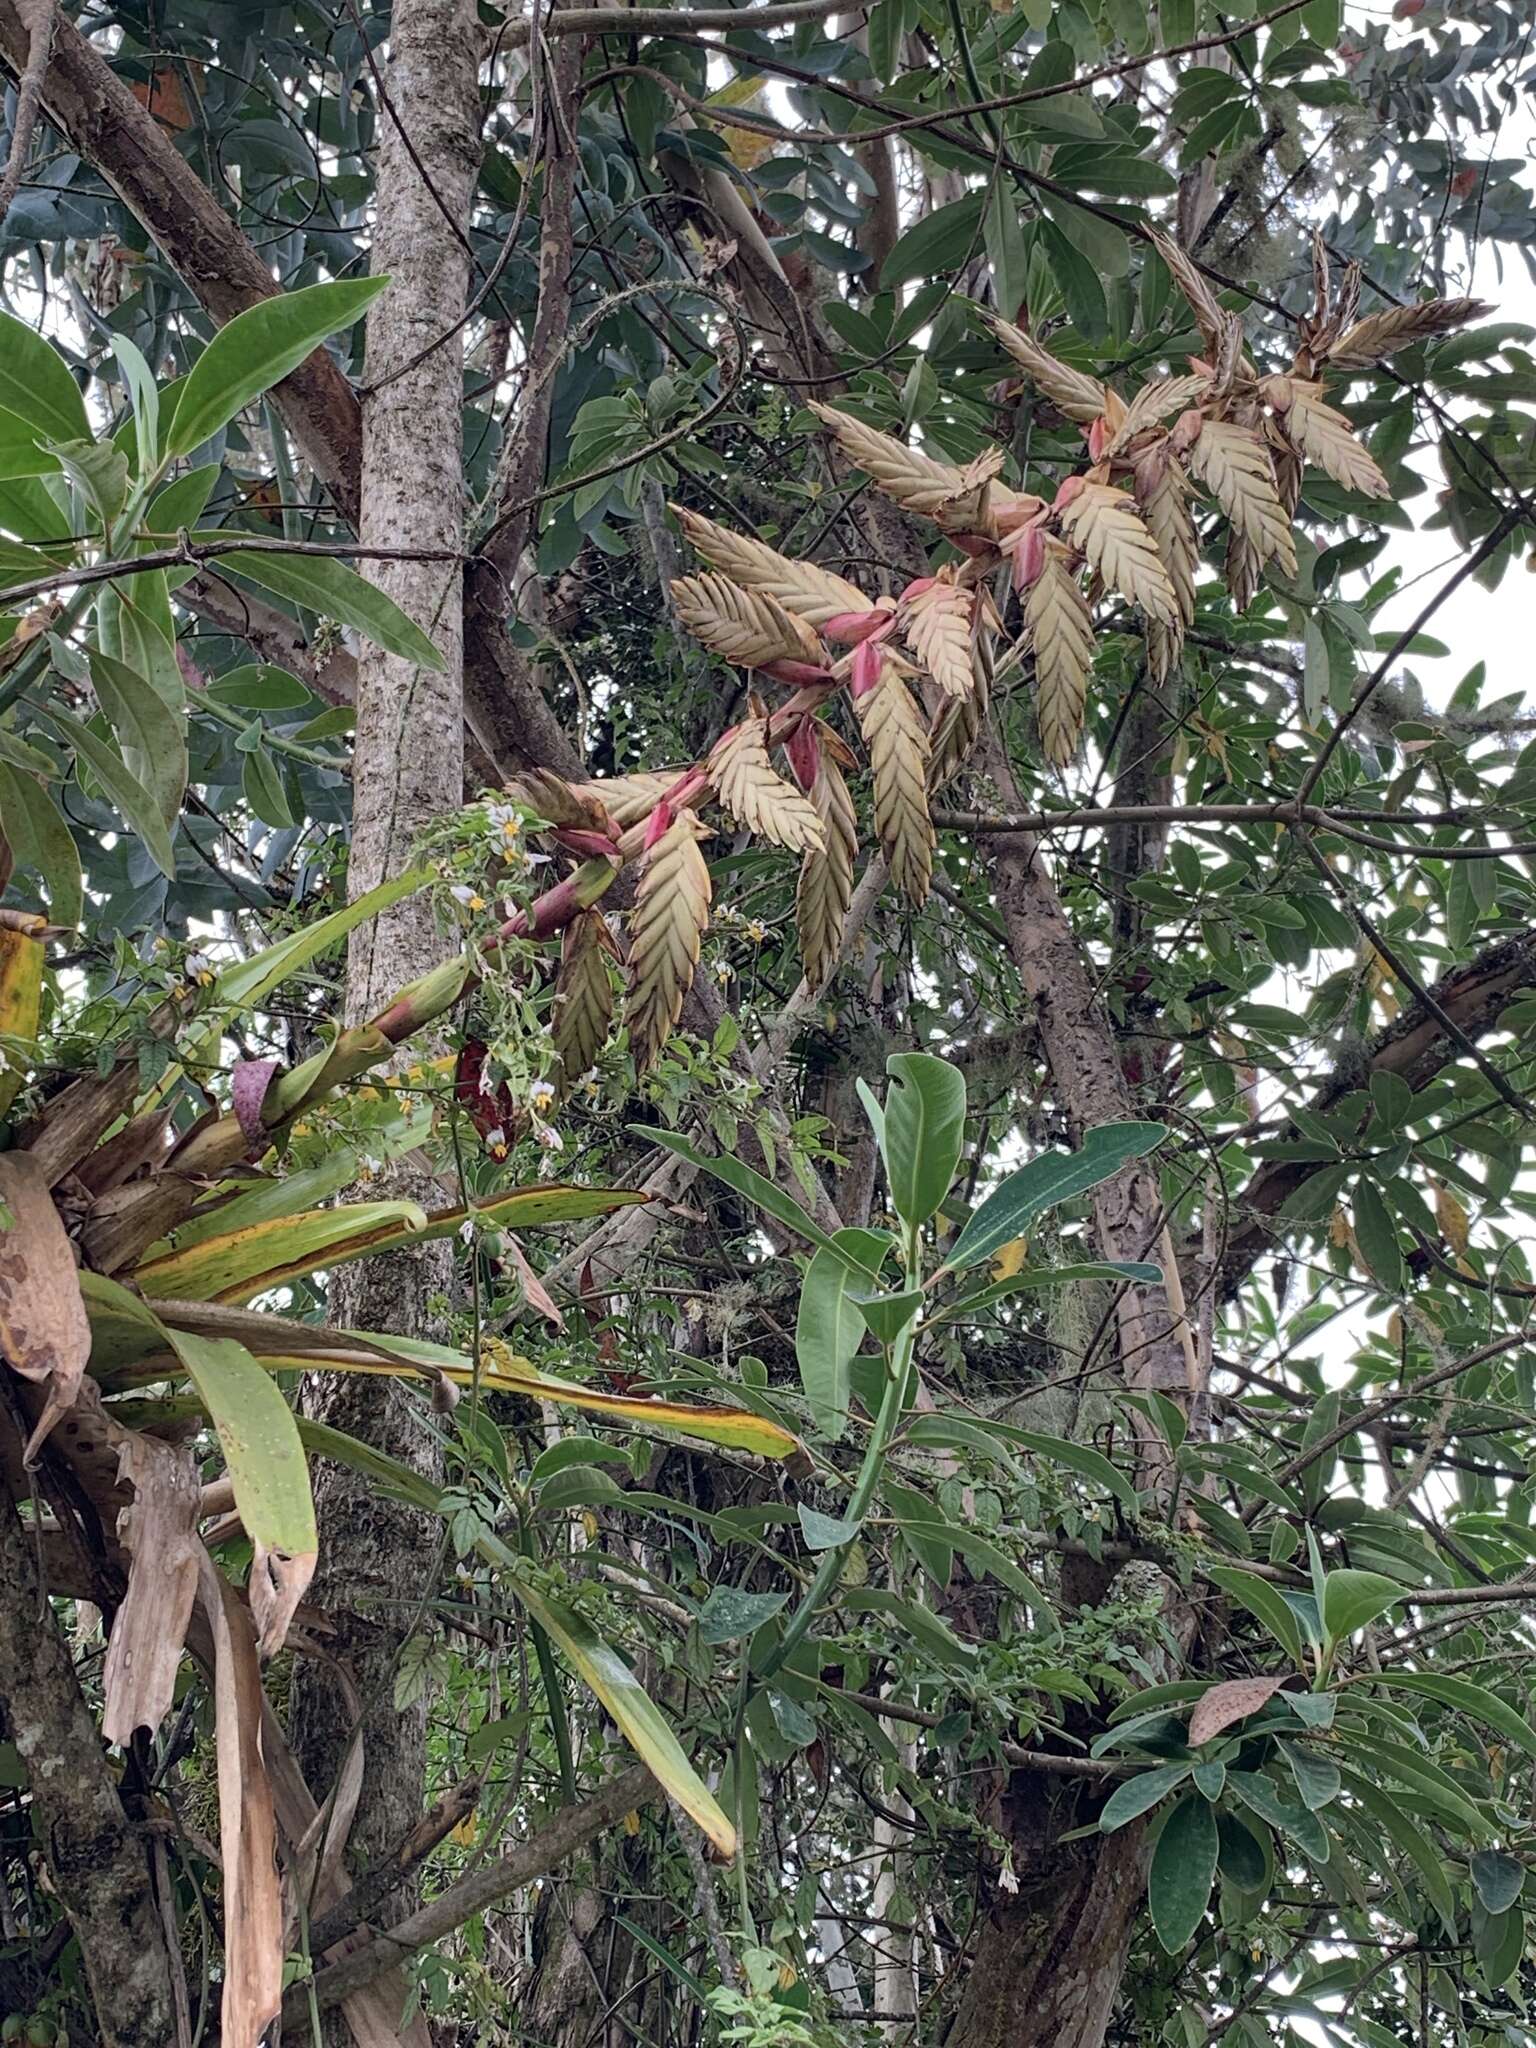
(326, 585)
(1498, 1878)
(731, 1612)
(829, 1327)
(256, 350)
(42, 842)
(1261, 1599)
(1052, 1178)
(259, 1438)
(122, 788)
(1352, 1598)
(152, 735)
(1317, 1777)
(1304, 1828)
(1182, 1873)
(35, 385)
(924, 1130)
(1474, 1700)
(1400, 1828)
(1137, 1795)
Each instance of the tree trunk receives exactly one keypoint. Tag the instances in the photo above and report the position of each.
(378, 1559)
(1047, 1968)
(98, 1869)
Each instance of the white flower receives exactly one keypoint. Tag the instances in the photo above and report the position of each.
(550, 1138)
(467, 1230)
(462, 894)
(541, 1095)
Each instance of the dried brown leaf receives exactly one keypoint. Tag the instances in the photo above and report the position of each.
(754, 792)
(584, 995)
(666, 927)
(253, 1915)
(1061, 638)
(1104, 523)
(1233, 1700)
(44, 1333)
(747, 627)
(1234, 465)
(1080, 397)
(898, 755)
(810, 592)
(826, 873)
(279, 1581)
(159, 1532)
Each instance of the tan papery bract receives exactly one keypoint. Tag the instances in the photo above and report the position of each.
(666, 927)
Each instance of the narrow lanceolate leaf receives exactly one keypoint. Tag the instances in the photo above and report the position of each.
(1324, 437)
(1378, 334)
(584, 995)
(665, 929)
(1061, 635)
(898, 756)
(811, 593)
(1155, 402)
(747, 627)
(1103, 522)
(754, 793)
(917, 481)
(1080, 397)
(1234, 465)
(938, 625)
(826, 874)
(607, 1674)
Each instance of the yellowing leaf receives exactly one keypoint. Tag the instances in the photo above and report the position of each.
(242, 1263)
(1452, 1219)
(1010, 1259)
(21, 994)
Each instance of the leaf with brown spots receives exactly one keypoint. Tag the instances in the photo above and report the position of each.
(1233, 1700)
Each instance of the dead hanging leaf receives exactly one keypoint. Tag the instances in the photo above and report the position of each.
(811, 593)
(938, 625)
(1231, 1701)
(279, 1581)
(666, 927)
(755, 794)
(1234, 465)
(584, 995)
(898, 757)
(1080, 397)
(253, 1913)
(535, 1293)
(1061, 636)
(826, 874)
(159, 1532)
(1103, 522)
(44, 1332)
(749, 628)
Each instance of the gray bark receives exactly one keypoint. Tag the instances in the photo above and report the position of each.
(377, 1559)
(99, 1871)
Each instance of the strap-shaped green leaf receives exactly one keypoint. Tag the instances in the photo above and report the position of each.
(1052, 1178)
(256, 350)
